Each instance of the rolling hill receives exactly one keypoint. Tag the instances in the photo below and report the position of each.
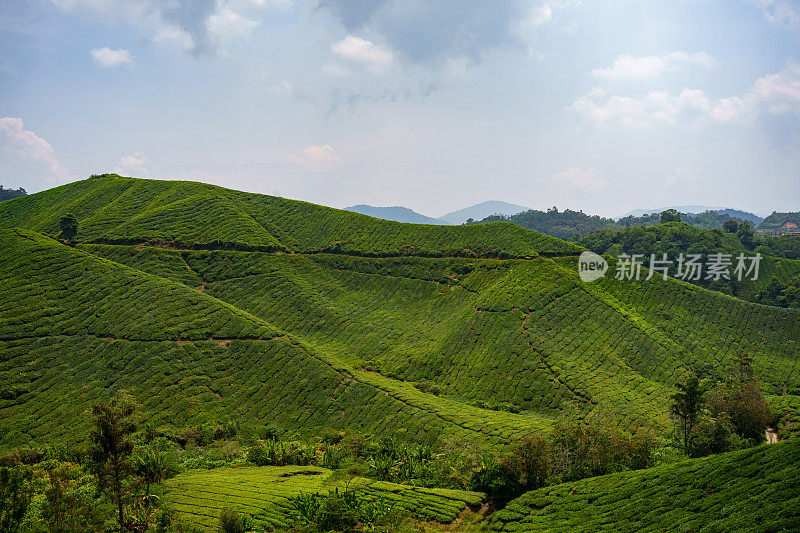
(776, 220)
(749, 490)
(264, 492)
(210, 304)
(118, 210)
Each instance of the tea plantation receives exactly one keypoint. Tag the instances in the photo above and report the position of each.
(210, 305)
(111, 208)
(750, 490)
(264, 493)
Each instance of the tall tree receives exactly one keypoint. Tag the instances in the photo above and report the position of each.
(686, 405)
(111, 447)
(69, 227)
(730, 226)
(670, 215)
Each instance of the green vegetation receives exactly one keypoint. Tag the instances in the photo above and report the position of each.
(114, 209)
(750, 490)
(9, 194)
(572, 225)
(776, 220)
(778, 269)
(571, 452)
(270, 495)
(261, 334)
(561, 224)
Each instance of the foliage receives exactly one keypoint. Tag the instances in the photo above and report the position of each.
(15, 496)
(69, 227)
(778, 269)
(750, 490)
(686, 406)
(572, 452)
(9, 194)
(111, 449)
(670, 215)
(69, 502)
(273, 495)
(561, 224)
(231, 522)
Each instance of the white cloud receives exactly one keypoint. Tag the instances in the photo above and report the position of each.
(26, 147)
(643, 68)
(316, 158)
(656, 107)
(583, 180)
(285, 88)
(332, 68)
(107, 57)
(132, 165)
(780, 13)
(375, 58)
(226, 25)
(199, 27)
(773, 94)
(537, 14)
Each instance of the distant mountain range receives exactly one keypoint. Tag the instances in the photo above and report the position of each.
(404, 214)
(396, 213)
(483, 210)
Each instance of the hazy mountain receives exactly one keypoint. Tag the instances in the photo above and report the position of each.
(483, 210)
(396, 213)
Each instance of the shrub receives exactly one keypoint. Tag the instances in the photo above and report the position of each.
(530, 463)
(710, 436)
(15, 496)
(498, 481)
(231, 522)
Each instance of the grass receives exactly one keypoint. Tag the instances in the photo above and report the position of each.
(751, 490)
(264, 493)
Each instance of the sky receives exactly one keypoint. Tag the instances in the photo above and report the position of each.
(599, 105)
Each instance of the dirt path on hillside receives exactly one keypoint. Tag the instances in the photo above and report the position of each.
(772, 436)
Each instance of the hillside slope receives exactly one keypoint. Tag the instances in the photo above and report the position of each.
(752, 490)
(111, 208)
(486, 349)
(75, 328)
(264, 492)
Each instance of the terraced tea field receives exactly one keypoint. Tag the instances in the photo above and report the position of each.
(211, 305)
(510, 344)
(751, 490)
(264, 493)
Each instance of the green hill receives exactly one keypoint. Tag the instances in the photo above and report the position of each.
(751, 490)
(395, 327)
(776, 220)
(114, 209)
(264, 492)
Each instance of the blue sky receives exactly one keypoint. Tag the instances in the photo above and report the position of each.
(602, 105)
